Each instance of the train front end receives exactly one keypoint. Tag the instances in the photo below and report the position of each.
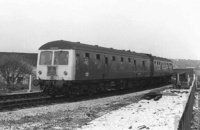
(55, 68)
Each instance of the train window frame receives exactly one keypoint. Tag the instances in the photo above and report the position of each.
(106, 60)
(143, 64)
(61, 58)
(122, 59)
(78, 59)
(50, 58)
(135, 62)
(87, 55)
(98, 56)
(129, 60)
(113, 58)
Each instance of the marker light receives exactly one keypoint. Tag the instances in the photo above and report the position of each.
(40, 72)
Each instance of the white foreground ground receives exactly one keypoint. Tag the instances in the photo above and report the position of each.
(118, 112)
(146, 114)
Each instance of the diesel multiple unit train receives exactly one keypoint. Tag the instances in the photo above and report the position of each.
(72, 68)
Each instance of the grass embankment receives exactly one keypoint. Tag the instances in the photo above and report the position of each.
(16, 88)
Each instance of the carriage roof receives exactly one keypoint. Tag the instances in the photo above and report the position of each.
(161, 59)
(61, 44)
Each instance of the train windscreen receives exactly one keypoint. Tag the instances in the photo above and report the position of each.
(45, 58)
(61, 57)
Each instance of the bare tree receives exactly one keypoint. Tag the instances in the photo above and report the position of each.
(13, 68)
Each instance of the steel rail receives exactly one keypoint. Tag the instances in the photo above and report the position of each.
(4, 98)
(18, 103)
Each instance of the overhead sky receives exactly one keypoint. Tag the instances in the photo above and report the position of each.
(165, 28)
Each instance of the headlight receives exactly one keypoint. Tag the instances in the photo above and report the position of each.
(65, 72)
(40, 72)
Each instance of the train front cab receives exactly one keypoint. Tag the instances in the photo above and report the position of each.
(54, 69)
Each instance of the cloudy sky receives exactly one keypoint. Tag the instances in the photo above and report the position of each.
(165, 28)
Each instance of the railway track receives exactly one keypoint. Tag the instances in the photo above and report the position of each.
(20, 96)
(19, 101)
(11, 101)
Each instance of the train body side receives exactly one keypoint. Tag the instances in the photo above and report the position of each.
(86, 62)
(162, 67)
(94, 65)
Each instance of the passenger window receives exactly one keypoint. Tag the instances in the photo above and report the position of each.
(129, 60)
(86, 60)
(98, 57)
(77, 59)
(113, 58)
(122, 59)
(87, 55)
(143, 63)
(134, 62)
(106, 60)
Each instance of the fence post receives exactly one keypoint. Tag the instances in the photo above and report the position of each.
(177, 79)
(188, 80)
(198, 128)
(30, 81)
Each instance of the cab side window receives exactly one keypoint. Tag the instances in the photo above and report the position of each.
(143, 64)
(77, 59)
(113, 58)
(86, 59)
(98, 57)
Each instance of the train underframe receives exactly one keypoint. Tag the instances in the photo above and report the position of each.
(73, 88)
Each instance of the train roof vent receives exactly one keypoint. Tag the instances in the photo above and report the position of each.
(96, 45)
(78, 42)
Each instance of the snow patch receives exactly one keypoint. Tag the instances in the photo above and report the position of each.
(146, 114)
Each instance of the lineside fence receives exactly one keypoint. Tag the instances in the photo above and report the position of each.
(185, 120)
